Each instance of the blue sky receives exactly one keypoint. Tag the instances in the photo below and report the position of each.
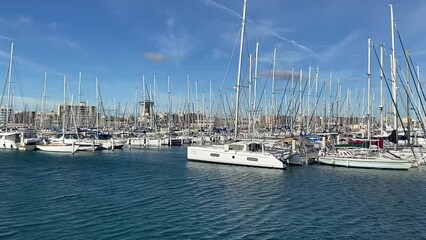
(122, 40)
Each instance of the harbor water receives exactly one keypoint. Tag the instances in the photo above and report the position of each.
(156, 193)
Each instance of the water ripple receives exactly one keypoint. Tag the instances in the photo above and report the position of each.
(156, 193)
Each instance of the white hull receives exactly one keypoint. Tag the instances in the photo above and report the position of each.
(64, 148)
(379, 163)
(8, 144)
(146, 142)
(218, 154)
(88, 147)
(110, 144)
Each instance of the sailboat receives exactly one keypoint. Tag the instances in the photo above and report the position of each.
(59, 144)
(247, 153)
(360, 159)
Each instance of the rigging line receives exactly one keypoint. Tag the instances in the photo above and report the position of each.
(16, 68)
(387, 85)
(410, 102)
(317, 100)
(342, 105)
(230, 60)
(299, 103)
(282, 98)
(415, 85)
(5, 85)
(291, 102)
(263, 90)
(356, 100)
(408, 59)
(393, 100)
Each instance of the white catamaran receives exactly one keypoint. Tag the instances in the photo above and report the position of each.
(245, 153)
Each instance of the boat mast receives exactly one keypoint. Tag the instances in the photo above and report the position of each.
(293, 104)
(381, 90)
(43, 101)
(237, 101)
(9, 81)
(64, 106)
(308, 105)
(210, 105)
(369, 94)
(189, 104)
(97, 108)
(79, 101)
(300, 108)
(168, 102)
(255, 87)
(393, 75)
(273, 92)
(317, 99)
(249, 96)
(408, 100)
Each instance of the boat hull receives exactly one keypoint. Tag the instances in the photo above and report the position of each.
(63, 148)
(214, 154)
(365, 163)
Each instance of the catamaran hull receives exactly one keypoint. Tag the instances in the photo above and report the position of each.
(232, 157)
(7, 144)
(366, 163)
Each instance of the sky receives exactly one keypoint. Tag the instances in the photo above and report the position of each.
(122, 41)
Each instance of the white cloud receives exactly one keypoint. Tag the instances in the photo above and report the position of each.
(176, 42)
(339, 47)
(221, 7)
(25, 20)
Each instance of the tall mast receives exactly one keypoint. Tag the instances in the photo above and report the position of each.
(9, 82)
(317, 99)
(381, 90)
(308, 130)
(273, 91)
(168, 102)
(210, 104)
(97, 106)
(330, 119)
(300, 101)
(136, 108)
(240, 60)
(43, 101)
(144, 100)
(393, 74)
(154, 105)
(188, 101)
(196, 110)
(79, 100)
(255, 87)
(339, 95)
(64, 105)
(249, 96)
(408, 99)
(369, 93)
(293, 104)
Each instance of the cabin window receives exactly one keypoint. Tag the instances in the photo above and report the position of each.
(214, 154)
(255, 147)
(236, 147)
(252, 159)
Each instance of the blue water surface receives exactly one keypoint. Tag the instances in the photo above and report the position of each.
(157, 194)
